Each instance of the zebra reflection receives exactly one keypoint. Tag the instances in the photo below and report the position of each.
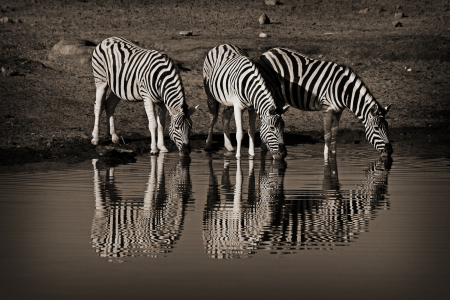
(124, 227)
(329, 218)
(233, 225)
(284, 222)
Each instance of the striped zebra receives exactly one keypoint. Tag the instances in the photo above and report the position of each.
(313, 85)
(232, 79)
(137, 74)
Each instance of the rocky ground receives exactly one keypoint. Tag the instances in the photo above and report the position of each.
(400, 49)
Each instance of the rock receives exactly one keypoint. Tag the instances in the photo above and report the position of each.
(262, 35)
(185, 33)
(4, 20)
(399, 15)
(272, 2)
(397, 24)
(115, 155)
(103, 150)
(73, 47)
(364, 11)
(264, 19)
(73, 54)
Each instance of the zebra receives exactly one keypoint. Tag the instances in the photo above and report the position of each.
(314, 85)
(232, 79)
(137, 74)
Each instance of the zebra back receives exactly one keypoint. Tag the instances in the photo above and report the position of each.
(228, 71)
(307, 83)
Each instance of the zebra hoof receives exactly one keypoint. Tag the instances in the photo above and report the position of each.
(154, 152)
(163, 150)
(94, 142)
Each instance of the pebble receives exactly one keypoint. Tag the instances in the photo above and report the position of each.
(271, 2)
(264, 19)
(185, 33)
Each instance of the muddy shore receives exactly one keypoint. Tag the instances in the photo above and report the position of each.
(47, 96)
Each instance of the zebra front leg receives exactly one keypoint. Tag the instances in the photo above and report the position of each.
(327, 114)
(239, 130)
(213, 107)
(162, 112)
(334, 132)
(226, 117)
(152, 124)
(100, 95)
(110, 107)
(251, 132)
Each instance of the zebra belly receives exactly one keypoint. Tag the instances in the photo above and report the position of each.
(299, 98)
(232, 100)
(127, 91)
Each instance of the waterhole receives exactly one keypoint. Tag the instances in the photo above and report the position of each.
(211, 226)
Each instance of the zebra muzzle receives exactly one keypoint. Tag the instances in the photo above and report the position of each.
(387, 150)
(185, 150)
(281, 153)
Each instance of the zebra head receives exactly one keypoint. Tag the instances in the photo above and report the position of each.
(272, 128)
(377, 129)
(180, 129)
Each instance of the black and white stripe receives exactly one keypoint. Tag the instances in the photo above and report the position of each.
(313, 85)
(232, 79)
(136, 74)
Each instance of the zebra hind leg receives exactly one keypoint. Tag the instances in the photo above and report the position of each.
(100, 95)
(226, 117)
(110, 107)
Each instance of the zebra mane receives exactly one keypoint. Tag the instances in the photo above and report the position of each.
(367, 96)
(184, 107)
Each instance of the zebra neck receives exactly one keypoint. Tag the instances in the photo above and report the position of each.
(357, 97)
(258, 95)
(173, 111)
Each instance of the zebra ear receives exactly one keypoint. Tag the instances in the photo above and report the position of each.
(386, 109)
(285, 109)
(272, 110)
(192, 110)
(375, 110)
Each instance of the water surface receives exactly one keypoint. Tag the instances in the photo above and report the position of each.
(214, 227)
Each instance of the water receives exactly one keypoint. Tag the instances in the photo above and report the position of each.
(209, 227)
